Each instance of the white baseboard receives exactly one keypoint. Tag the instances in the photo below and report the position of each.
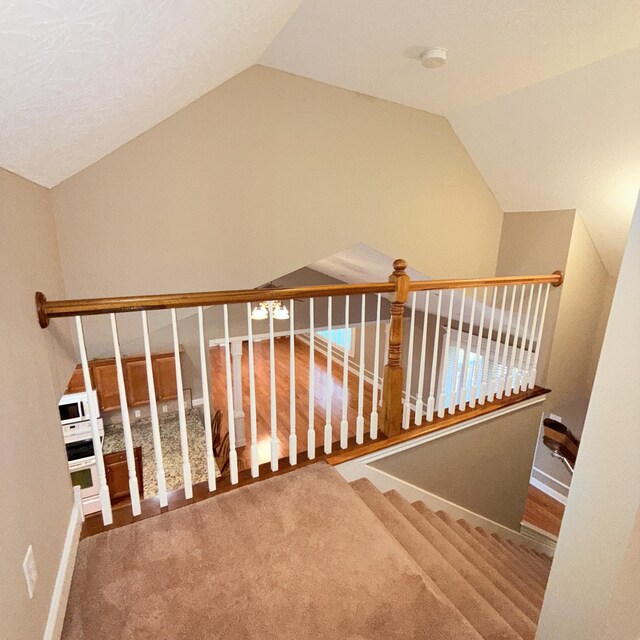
(552, 493)
(355, 469)
(55, 620)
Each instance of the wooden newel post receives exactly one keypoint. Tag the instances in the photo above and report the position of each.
(393, 374)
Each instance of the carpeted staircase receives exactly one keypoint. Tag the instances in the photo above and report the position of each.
(304, 555)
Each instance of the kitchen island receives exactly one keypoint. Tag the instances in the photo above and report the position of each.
(142, 436)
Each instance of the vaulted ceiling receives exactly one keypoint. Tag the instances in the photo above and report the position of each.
(544, 95)
(79, 78)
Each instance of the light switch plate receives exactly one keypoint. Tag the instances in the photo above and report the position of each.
(30, 571)
(165, 408)
(137, 413)
(553, 416)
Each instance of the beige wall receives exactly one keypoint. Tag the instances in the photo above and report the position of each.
(264, 175)
(35, 501)
(596, 558)
(484, 468)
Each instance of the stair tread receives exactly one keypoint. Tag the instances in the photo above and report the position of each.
(501, 551)
(507, 567)
(481, 615)
(518, 620)
(535, 559)
(523, 603)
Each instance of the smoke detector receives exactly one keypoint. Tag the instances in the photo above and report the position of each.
(433, 57)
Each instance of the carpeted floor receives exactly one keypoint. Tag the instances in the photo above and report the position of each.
(303, 555)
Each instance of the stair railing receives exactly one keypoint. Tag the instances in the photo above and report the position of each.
(469, 341)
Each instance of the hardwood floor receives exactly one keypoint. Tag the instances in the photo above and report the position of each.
(542, 511)
(263, 406)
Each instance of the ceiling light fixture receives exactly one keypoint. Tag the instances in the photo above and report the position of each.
(433, 57)
(273, 307)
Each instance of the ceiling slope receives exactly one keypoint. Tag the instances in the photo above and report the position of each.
(79, 78)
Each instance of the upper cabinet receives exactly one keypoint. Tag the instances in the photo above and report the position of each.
(104, 378)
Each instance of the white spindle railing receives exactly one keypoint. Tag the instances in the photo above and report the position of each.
(233, 454)
(373, 423)
(406, 409)
(134, 491)
(360, 417)
(498, 356)
(293, 440)
(105, 500)
(153, 409)
(206, 402)
(328, 429)
(344, 423)
(253, 451)
(423, 354)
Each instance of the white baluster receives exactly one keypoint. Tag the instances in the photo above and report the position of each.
(373, 424)
(431, 401)
(328, 430)
(344, 424)
(272, 395)
(487, 356)
(105, 500)
(442, 401)
(182, 416)
(454, 387)
(233, 455)
(423, 353)
(534, 369)
(532, 336)
(153, 409)
(360, 418)
(293, 440)
(507, 339)
(478, 352)
(311, 433)
(510, 376)
(467, 353)
(406, 409)
(523, 341)
(134, 491)
(252, 399)
(493, 384)
(206, 402)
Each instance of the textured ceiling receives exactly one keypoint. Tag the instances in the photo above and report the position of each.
(79, 78)
(544, 95)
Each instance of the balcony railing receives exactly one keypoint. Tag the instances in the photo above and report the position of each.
(467, 342)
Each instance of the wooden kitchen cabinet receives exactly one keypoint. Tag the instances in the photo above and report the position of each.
(117, 472)
(104, 378)
(135, 375)
(164, 375)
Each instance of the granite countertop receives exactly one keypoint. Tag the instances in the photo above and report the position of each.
(170, 438)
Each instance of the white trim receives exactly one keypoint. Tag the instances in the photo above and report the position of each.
(531, 532)
(355, 469)
(57, 609)
(428, 437)
(197, 402)
(550, 477)
(558, 497)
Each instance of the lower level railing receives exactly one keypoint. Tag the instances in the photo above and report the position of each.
(343, 361)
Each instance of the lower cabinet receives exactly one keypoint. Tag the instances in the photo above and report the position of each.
(117, 472)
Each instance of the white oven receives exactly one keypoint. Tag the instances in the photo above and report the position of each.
(82, 462)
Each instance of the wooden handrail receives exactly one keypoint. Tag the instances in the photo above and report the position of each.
(555, 279)
(48, 309)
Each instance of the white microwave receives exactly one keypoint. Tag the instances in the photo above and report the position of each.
(74, 407)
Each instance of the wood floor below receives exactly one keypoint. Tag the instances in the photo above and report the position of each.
(542, 511)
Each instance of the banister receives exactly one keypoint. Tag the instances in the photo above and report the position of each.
(47, 309)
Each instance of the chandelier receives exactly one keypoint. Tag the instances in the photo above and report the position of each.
(272, 307)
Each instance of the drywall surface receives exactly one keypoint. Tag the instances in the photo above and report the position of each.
(484, 468)
(35, 501)
(266, 174)
(596, 558)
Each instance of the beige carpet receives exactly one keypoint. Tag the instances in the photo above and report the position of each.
(297, 556)
(304, 555)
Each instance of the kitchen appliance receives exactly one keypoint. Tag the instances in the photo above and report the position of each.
(74, 407)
